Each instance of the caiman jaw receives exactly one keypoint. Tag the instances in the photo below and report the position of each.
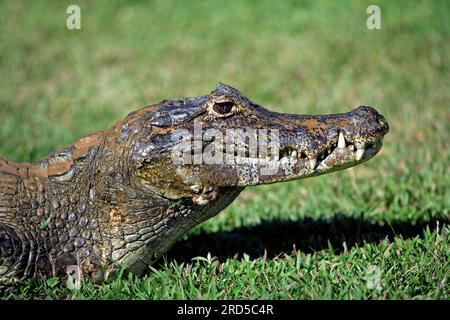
(314, 145)
(346, 154)
(340, 154)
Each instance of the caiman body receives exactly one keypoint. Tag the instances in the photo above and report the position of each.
(118, 198)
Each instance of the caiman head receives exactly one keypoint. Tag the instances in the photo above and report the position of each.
(198, 146)
(183, 160)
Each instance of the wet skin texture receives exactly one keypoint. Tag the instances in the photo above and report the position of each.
(117, 198)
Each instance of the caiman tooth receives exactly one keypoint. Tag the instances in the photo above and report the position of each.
(312, 163)
(359, 152)
(341, 141)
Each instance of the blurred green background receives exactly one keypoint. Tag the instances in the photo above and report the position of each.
(389, 215)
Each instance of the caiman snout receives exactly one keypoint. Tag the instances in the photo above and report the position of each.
(371, 124)
(362, 133)
(327, 143)
(359, 129)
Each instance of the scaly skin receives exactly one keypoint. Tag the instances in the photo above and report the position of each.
(116, 197)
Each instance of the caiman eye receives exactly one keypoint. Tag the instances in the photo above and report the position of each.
(223, 108)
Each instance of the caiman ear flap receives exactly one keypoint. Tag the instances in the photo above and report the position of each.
(222, 88)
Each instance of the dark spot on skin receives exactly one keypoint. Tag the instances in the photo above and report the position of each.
(43, 266)
(63, 261)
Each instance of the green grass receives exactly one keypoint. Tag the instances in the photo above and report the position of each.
(386, 220)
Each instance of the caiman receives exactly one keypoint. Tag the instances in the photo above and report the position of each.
(118, 198)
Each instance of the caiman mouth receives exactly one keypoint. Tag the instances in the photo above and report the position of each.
(291, 152)
(339, 154)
